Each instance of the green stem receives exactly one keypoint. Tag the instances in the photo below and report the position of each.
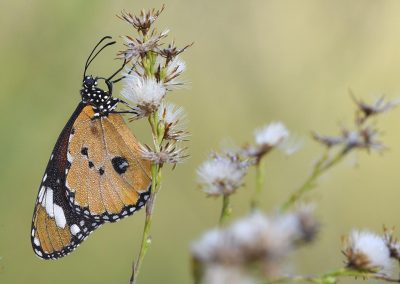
(323, 164)
(156, 181)
(226, 210)
(332, 277)
(260, 177)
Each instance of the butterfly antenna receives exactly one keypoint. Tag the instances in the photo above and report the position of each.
(90, 57)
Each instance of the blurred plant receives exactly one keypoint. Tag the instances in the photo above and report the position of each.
(363, 136)
(154, 71)
(257, 241)
(254, 248)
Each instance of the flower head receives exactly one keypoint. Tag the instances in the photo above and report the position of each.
(365, 137)
(171, 51)
(169, 153)
(174, 69)
(221, 174)
(392, 243)
(271, 134)
(173, 119)
(267, 138)
(377, 107)
(368, 252)
(137, 47)
(145, 94)
(143, 21)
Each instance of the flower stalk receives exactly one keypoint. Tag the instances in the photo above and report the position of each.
(260, 178)
(226, 210)
(332, 277)
(323, 165)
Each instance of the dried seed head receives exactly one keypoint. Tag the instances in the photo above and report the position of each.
(143, 21)
(169, 153)
(221, 174)
(392, 243)
(174, 69)
(173, 119)
(364, 138)
(377, 107)
(368, 252)
(171, 51)
(137, 47)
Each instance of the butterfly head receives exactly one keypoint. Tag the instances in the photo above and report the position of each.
(101, 100)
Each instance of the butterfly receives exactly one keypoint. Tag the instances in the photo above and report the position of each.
(95, 173)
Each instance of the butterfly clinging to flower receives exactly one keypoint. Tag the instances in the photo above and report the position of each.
(95, 173)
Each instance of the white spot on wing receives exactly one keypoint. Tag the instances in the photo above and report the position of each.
(38, 252)
(36, 241)
(41, 193)
(45, 177)
(49, 202)
(75, 229)
(69, 157)
(59, 215)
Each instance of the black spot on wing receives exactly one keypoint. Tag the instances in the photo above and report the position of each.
(84, 151)
(120, 164)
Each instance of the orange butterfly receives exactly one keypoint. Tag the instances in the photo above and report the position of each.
(95, 173)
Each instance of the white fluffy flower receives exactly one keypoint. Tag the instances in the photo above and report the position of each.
(144, 93)
(221, 175)
(174, 69)
(171, 113)
(173, 118)
(271, 134)
(367, 252)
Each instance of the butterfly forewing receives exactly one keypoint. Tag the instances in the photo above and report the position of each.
(107, 179)
(56, 228)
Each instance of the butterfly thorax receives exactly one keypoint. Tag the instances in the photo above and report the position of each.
(101, 101)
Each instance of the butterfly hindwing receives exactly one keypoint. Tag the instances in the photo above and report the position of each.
(107, 179)
(56, 228)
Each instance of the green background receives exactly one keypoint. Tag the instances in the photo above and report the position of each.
(253, 62)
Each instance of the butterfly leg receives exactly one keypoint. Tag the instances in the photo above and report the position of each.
(130, 71)
(116, 72)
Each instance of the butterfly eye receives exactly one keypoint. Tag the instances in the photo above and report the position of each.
(120, 164)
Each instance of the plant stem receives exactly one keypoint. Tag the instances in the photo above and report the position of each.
(156, 181)
(255, 203)
(331, 277)
(226, 210)
(323, 164)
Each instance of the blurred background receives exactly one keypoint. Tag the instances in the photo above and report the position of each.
(253, 62)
